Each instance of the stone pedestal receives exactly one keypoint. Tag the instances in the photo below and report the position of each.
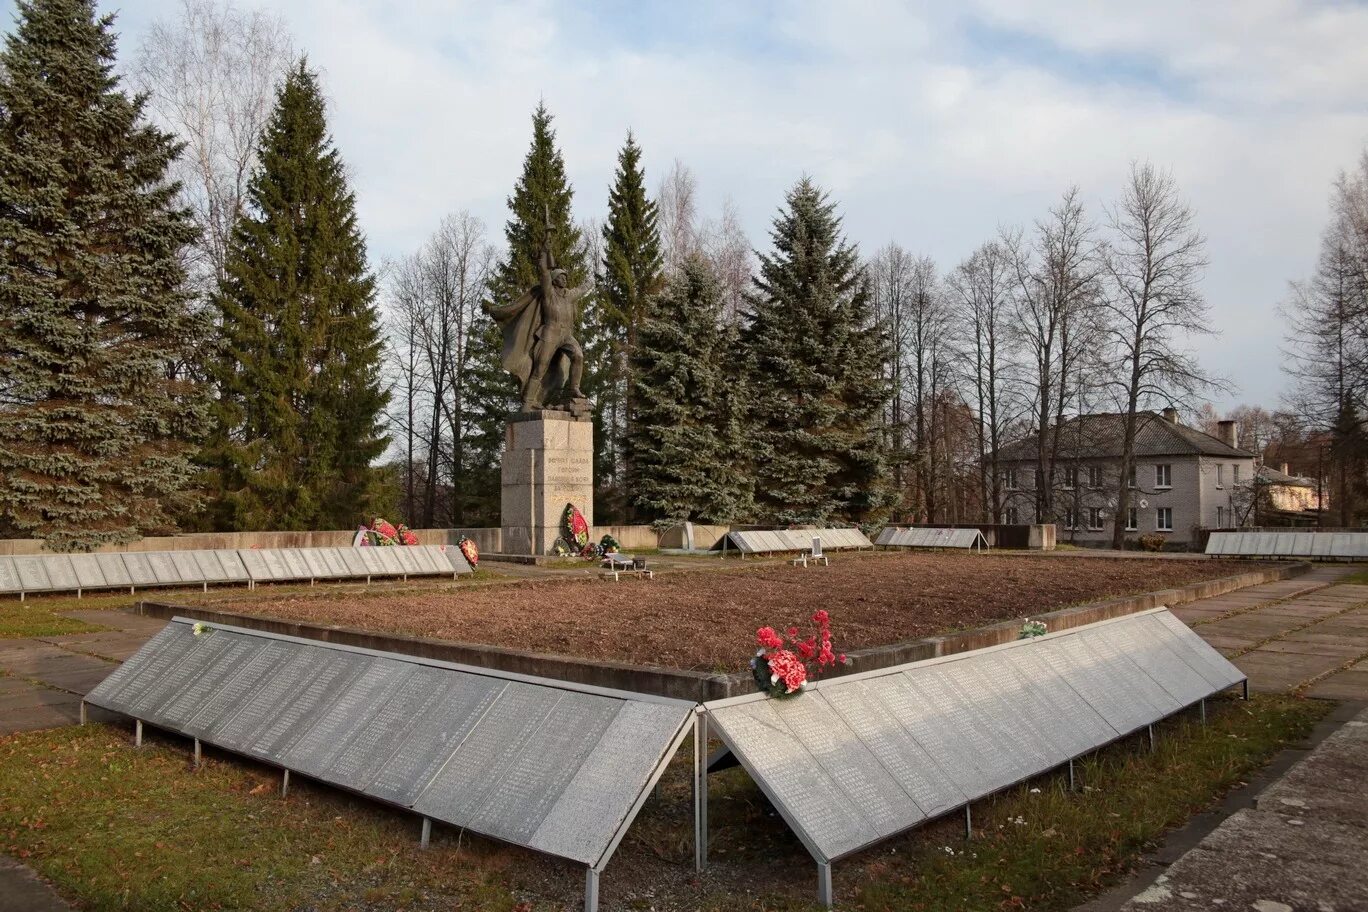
(548, 461)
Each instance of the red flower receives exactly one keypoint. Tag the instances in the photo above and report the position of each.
(766, 637)
(792, 631)
(821, 618)
(808, 648)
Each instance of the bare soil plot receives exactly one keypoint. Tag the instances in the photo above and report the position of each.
(706, 619)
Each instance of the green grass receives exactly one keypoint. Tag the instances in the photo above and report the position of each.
(117, 828)
(38, 616)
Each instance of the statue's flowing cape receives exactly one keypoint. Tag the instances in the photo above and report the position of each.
(521, 323)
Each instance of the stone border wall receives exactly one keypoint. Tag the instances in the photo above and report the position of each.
(703, 686)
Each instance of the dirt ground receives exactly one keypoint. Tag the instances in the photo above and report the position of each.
(706, 619)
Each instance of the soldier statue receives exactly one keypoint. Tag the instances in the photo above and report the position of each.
(539, 346)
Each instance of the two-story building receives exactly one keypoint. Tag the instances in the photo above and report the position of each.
(1183, 479)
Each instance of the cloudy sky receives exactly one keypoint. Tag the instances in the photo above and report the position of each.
(932, 124)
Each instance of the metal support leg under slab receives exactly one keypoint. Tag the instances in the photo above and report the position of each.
(427, 833)
(1246, 688)
(137, 732)
(285, 784)
(591, 885)
(968, 822)
(824, 894)
(1201, 704)
(1150, 729)
(1072, 782)
(700, 790)
(83, 712)
(198, 754)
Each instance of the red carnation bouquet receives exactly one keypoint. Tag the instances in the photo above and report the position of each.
(784, 663)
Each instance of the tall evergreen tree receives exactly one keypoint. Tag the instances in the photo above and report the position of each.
(542, 189)
(686, 437)
(96, 427)
(301, 401)
(813, 364)
(632, 276)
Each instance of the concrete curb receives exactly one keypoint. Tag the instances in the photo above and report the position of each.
(703, 686)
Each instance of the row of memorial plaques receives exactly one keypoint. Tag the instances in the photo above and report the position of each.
(534, 764)
(70, 572)
(1288, 544)
(853, 762)
(928, 538)
(762, 542)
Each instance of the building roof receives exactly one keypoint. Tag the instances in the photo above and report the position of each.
(1273, 476)
(1099, 436)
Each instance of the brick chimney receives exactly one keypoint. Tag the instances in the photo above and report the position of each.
(1229, 433)
(1171, 415)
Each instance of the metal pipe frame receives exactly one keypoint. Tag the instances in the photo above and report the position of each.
(700, 790)
(591, 890)
(427, 833)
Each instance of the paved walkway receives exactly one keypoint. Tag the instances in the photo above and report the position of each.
(1304, 635)
(1300, 847)
(45, 677)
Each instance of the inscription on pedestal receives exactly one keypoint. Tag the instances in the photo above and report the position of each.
(548, 462)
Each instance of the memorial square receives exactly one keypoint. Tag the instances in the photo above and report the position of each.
(693, 458)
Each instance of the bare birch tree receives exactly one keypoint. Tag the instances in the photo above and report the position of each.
(211, 77)
(727, 248)
(677, 205)
(1154, 264)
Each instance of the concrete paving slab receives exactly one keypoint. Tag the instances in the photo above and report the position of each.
(118, 620)
(1343, 685)
(1250, 626)
(1327, 784)
(21, 890)
(40, 717)
(1345, 651)
(1281, 671)
(115, 644)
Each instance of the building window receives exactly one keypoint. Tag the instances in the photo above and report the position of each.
(1095, 519)
(1010, 479)
(1163, 475)
(1132, 519)
(1130, 478)
(1164, 519)
(1013, 516)
(1070, 519)
(1094, 476)
(1220, 475)
(1070, 477)
(1235, 473)
(1220, 517)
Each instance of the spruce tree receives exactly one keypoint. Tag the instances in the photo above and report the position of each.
(542, 188)
(632, 276)
(301, 401)
(96, 424)
(686, 436)
(809, 351)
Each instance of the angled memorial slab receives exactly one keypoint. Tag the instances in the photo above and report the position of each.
(9, 577)
(856, 759)
(254, 564)
(88, 572)
(1325, 545)
(894, 537)
(553, 766)
(115, 570)
(32, 573)
(60, 573)
(231, 563)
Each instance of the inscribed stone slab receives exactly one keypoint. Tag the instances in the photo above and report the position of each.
(254, 564)
(32, 574)
(187, 567)
(355, 561)
(61, 575)
(9, 577)
(114, 568)
(208, 566)
(408, 563)
(87, 570)
(338, 724)
(293, 560)
(390, 565)
(231, 563)
(318, 568)
(163, 570)
(275, 564)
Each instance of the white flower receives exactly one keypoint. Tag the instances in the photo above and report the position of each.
(199, 629)
(1035, 791)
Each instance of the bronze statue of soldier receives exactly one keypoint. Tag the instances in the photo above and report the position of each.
(539, 345)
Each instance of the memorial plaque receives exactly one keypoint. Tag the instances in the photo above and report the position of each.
(231, 564)
(87, 570)
(593, 801)
(407, 562)
(935, 729)
(1077, 726)
(915, 770)
(388, 557)
(187, 567)
(318, 568)
(295, 566)
(110, 691)
(32, 573)
(321, 675)
(453, 556)
(1200, 656)
(532, 779)
(163, 570)
(114, 569)
(427, 566)
(61, 575)
(332, 559)
(355, 561)
(223, 703)
(254, 564)
(1097, 683)
(1003, 698)
(1142, 645)
(871, 792)
(148, 698)
(1114, 646)
(347, 714)
(471, 773)
(370, 559)
(371, 748)
(221, 656)
(9, 577)
(207, 563)
(463, 701)
(248, 702)
(275, 564)
(804, 794)
(987, 749)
